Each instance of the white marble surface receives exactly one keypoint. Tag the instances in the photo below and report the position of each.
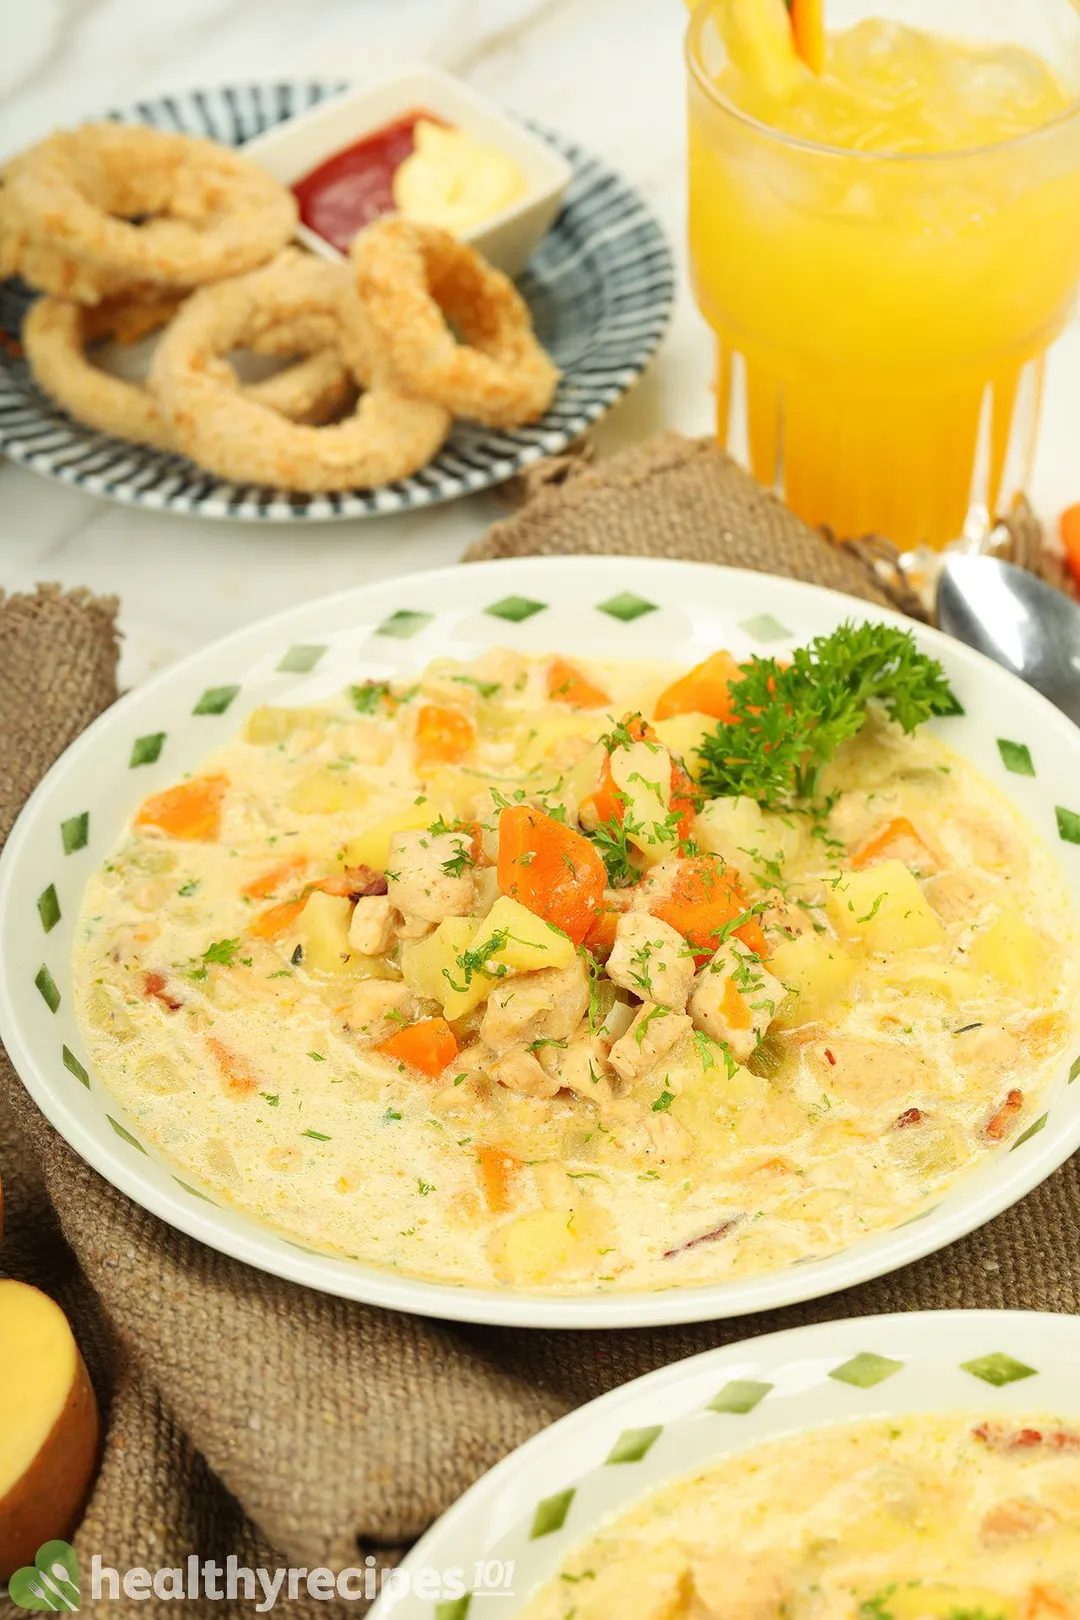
(608, 72)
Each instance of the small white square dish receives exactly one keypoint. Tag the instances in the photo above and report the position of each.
(292, 149)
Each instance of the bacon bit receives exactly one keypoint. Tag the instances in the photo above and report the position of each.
(998, 1438)
(364, 880)
(154, 986)
(831, 1056)
(1003, 1121)
(706, 1237)
(239, 1080)
(910, 1116)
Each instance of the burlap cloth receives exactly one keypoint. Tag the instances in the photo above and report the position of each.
(247, 1416)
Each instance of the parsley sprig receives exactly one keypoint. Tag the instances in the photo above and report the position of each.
(787, 723)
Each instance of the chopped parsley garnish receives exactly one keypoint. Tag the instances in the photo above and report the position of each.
(788, 722)
(221, 951)
(611, 840)
(270, 1098)
(391, 1114)
(663, 1102)
(186, 890)
(367, 697)
(486, 689)
(316, 1057)
(316, 1136)
(425, 1187)
(476, 961)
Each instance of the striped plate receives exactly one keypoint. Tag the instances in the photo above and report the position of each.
(601, 288)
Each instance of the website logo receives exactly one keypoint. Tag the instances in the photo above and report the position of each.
(51, 1582)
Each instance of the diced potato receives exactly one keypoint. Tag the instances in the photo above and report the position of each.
(372, 848)
(817, 969)
(425, 964)
(542, 738)
(106, 1014)
(682, 733)
(1012, 952)
(885, 908)
(323, 931)
(551, 1245)
(325, 793)
(707, 1105)
(526, 943)
(733, 827)
(276, 725)
(943, 981)
(642, 773)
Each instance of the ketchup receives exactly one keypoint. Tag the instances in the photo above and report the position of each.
(355, 186)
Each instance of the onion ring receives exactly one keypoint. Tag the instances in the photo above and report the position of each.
(388, 436)
(207, 211)
(56, 334)
(411, 280)
(46, 268)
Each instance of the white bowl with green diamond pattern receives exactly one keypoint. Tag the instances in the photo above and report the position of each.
(512, 1531)
(600, 607)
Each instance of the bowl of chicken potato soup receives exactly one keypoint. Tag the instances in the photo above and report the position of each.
(514, 943)
(922, 1467)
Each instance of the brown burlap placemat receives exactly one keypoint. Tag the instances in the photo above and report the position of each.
(248, 1416)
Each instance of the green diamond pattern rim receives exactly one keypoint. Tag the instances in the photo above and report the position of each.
(215, 700)
(551, 1513)
(633, 1445)
(1016, 757)
(1075, 1070)
(75, 832)
(46, 984)
(865, 1370)
(147, 750)
(1032, 1130)
(301, 659)
(763, 627)
(998, 1369)
(454, 1608)
(403, 624)
(124, 1134)
(739, 1397)
(515, 609)
(1068, 824)
(627, 606)
(73, 1066)
(48, 905)
(194, 1191)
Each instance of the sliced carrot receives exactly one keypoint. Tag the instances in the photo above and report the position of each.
(191, 810)
(1046, 1603)
(1069, 529)
(551, 869)
(428, 1045)
(272, 923)
(239, 1080)
(601, 936)
(566, 684)
(705, 689)
(266, 886)
(736, 1012)
(443, 736)
(897, 831)
(497, 1170)
(706, 896)
(808, 26)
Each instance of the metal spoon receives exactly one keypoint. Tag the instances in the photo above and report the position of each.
(1016, 619)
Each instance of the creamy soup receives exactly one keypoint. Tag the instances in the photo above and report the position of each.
(484, 980)
(920, 1518)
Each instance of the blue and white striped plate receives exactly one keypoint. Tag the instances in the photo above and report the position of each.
(601, 288)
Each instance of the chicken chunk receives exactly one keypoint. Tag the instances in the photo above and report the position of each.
(426, 877)
(751, 1588)
(651, 959)
(377, 1007)
(547, 1005)
(656, 1586)
(650, 1038)
(867, 1073)
(582, 1068)
(735, 998)
(644, 1133)
(371, 927)
(783, 918)
(518, 1069)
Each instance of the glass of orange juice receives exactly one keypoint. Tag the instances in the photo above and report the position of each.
(885, 251)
